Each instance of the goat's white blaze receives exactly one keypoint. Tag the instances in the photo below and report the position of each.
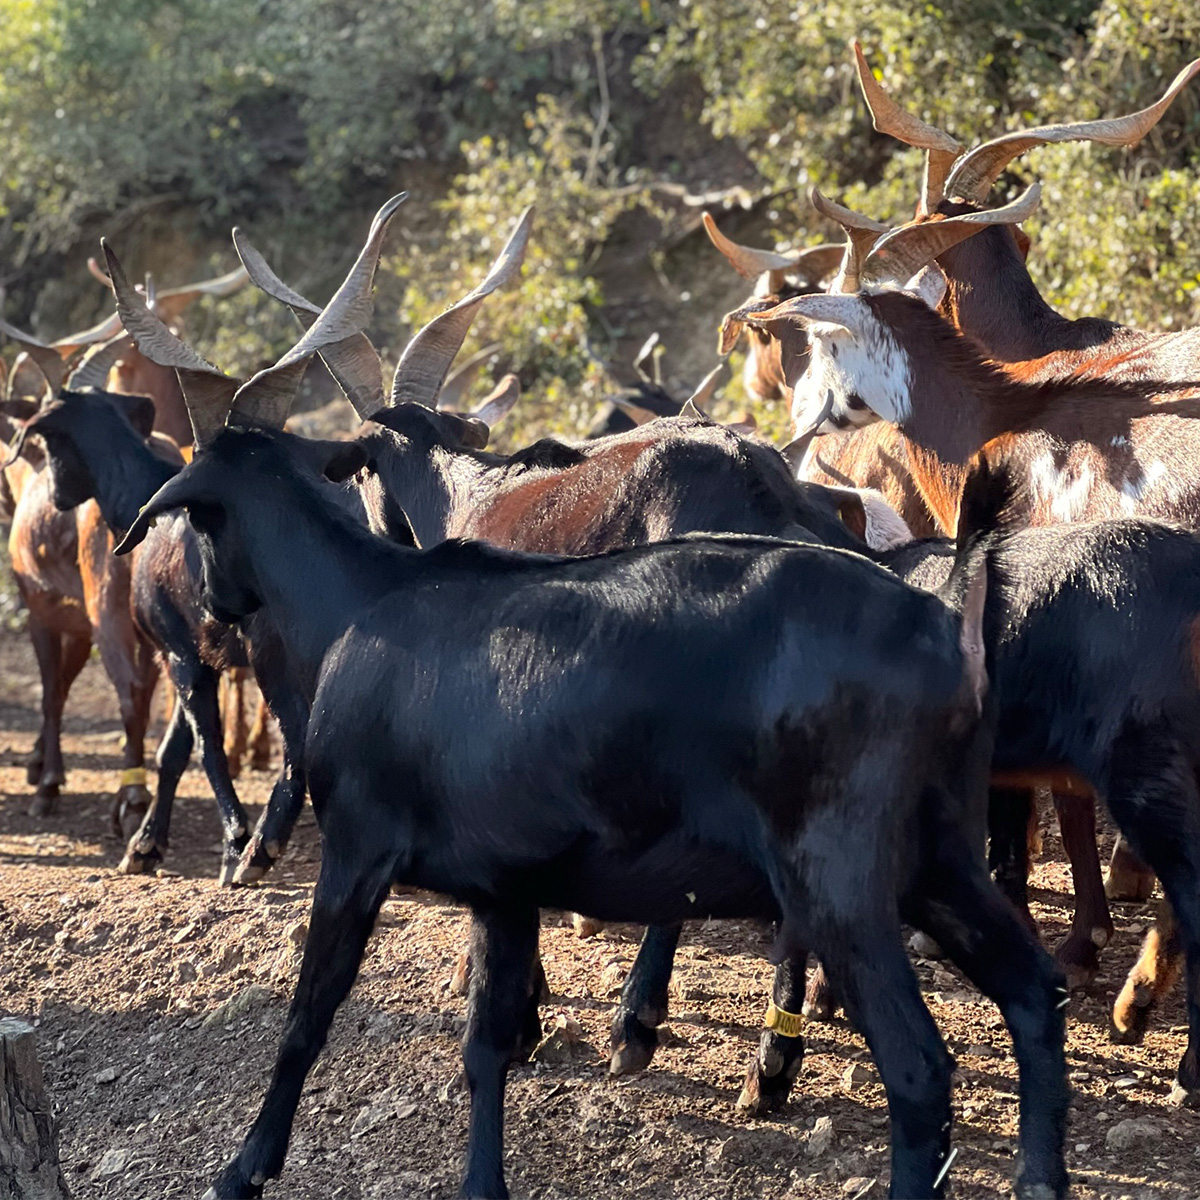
(867, 364)
(1065, 490)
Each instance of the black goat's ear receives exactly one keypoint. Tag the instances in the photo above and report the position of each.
(335, 459)
(853, 513)
(140, 411)
(185, 490)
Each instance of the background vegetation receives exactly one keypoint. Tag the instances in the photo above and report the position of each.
(163, 122)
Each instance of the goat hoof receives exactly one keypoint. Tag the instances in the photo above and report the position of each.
(45, 802)
(140, 858)
(130, 806)
(1125, 881)
(586, 927)
(253, 864)
(633, 1046)
(33, 772)
(1079, 958)
(768, 1085)
(1184, 1097)
(819, 1004)
(230, 1185)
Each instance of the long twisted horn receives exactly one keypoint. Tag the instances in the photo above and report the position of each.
(170, 303)
(973, 175)
(354, 365)
(888, 117)
(899, 255)
(94, 366)
(266, 399)
(861, 234)
(207, 392)
(422, 368)
(49, 361)
(813, 263)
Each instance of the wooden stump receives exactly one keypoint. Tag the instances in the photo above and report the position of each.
(29, 1167)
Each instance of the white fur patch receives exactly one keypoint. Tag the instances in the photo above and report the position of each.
(1065, 491)
(1138, 482)
(867, 362)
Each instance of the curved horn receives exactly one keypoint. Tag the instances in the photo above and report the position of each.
(797, 448)
(814, 308)
(899, 255)
(646, 355)
(499, 401)
(170, 303)
(207, 392)
(49, 361)
(634, 411)
(266, 399)
(814, 263)
(888, 117)
(454, 390)
(733, 322)
(93, 368)
(973, 176)
(102, 331)
(422, 368)
(706, 389)
(355, 366)
(98, 271)
(861, 234)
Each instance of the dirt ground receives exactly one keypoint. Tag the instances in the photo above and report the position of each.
(159, 1003)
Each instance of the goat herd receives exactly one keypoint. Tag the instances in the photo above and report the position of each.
(669, 672)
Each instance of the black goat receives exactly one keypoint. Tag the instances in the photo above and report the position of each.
(93, 451)
(480, 720)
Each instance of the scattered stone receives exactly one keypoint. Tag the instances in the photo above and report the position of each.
(981, 1051)
(186, 972)
(112, 1162)
(858, 1186)
(1125, 1081)
(237, 1005)
(855, 1075)
(923, 946)
(452, 1088)
(1135, 1131)
(821, 1138)
(1082, 1147)
(561, 1044)
(612, 978)
(107, 1075)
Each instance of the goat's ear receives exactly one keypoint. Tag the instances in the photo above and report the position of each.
(183, 491)
(1024, 241)
(929, 284)
(19, 410)
(140, 412)
(851, 510)
(335, 459)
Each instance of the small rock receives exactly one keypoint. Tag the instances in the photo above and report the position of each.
(113, 1162)
(107, 1075)
(1125, 1081)
(612, 978)
(821, 1138)
(1082, 1147)
(981, 1051)
(561, 1044)
(1135, 1131)
(453, 1087)
(296, 934)
(855, 1075)
(186, 972)
(237, 1005)
(923, 946)
(858, 1186)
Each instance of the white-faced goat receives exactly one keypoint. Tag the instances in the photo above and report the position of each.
(482, 719)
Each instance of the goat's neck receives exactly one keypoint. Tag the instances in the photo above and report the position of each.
(992, 298)
(316, 570)
(430, 484)
(125, 480)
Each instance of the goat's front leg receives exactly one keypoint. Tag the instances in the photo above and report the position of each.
(643, 1005)
(345, 903)
(780, 1054)
(503, 945)
(1091, 928)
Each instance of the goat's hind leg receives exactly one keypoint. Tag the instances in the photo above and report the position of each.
(503, 947)
(979, 931)
(345, 903)
(643, 1006)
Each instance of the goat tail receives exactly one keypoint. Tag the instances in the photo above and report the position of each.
(994, 501)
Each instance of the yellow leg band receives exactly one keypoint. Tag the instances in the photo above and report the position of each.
(789, 1024)
(133, 775)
